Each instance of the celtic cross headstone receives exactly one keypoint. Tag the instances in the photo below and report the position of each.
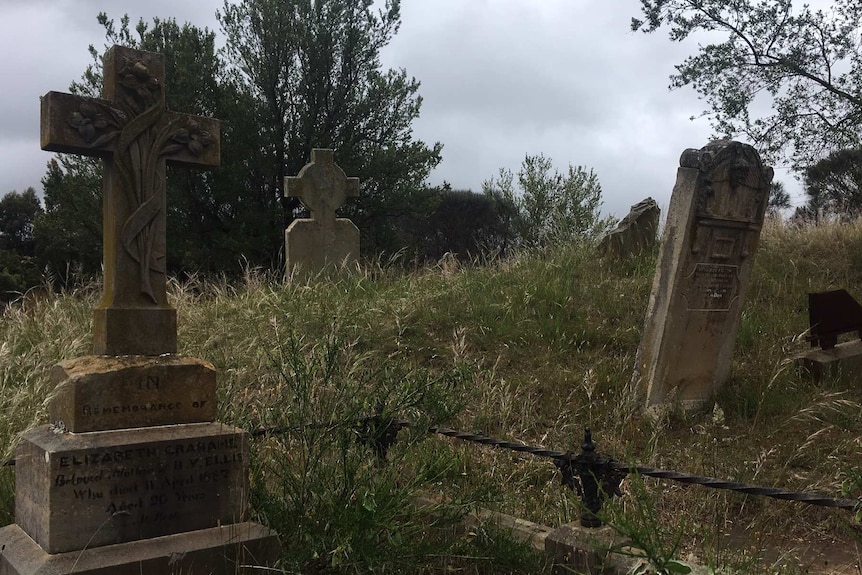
(313, 244)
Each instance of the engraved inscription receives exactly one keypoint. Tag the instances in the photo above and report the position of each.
(156, 489)
(712, 287)
(132, 393)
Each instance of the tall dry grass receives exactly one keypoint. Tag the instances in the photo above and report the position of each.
(534, 348)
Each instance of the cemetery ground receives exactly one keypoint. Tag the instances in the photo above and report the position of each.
(532, 349)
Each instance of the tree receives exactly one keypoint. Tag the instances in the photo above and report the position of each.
(18, 268)
(459, 222)
(779, 199)
(69, 233)
(18, 212)
(834, 185)
(314, 67)
(551, 207)
(298, 74)
(806, 64)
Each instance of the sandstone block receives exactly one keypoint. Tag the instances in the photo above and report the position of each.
(100, 393)
(77, 491)
(215, 551)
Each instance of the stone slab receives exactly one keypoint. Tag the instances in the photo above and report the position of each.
(576, 549)
(312, 248)
(635, 233)
(842, 361)
(76, 491)
(218, 551)
(101, 393)
(323, 241)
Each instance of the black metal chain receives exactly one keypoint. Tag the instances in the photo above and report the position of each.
(592, 475)
(485, 440)
(589, 473)
(747, 488)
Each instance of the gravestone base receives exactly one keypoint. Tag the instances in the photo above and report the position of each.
(101, 393)
(840, 362)
(81, 490)
(689, 407)
(221, 550)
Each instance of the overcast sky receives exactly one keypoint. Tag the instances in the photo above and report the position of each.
(500, 79)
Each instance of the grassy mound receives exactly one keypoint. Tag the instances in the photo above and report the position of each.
(535, 348)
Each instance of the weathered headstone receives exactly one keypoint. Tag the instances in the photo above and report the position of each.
(135, 135)
(133, 475)
(322, 241)
(636, 233)
(710, 237)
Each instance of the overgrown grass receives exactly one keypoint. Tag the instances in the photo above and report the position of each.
(534, 348)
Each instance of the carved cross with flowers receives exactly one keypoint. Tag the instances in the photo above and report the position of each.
(135, 135)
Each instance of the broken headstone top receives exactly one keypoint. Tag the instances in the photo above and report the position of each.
(830, 314)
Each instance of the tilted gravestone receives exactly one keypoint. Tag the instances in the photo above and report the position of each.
(704, 266)
(636, 233)
(133, 475)
(322, 241)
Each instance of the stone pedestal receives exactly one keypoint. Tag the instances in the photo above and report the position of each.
(121, 489)
(216, 551)
(99, 393)
(842, 361)
(576, 549)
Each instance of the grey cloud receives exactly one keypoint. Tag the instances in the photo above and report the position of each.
(500, 79)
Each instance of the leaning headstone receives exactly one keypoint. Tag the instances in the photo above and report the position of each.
(133, 475)
(705, 262)
(324, 240)
(636, 233)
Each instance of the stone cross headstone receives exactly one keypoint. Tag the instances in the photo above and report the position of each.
(133, 475)
(704, 266)
(135, 135)
(313, 244)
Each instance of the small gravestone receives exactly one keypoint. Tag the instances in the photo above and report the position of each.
(322, 241)
(832, 314)
(636, 233)
(705, 261)
(133, 475)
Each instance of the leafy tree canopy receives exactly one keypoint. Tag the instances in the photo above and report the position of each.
(549, 206)
(802, 64)
(315, 69)
(779, 198)
(834, 185)
(293, 75)
(18, 268)
(18, 212)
